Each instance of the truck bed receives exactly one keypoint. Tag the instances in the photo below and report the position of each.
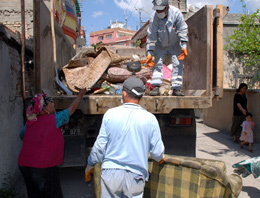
(99, 104)
(198, 78)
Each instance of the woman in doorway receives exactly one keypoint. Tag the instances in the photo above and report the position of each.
(239, 111)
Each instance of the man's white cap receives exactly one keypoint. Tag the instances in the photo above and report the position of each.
(160, 4)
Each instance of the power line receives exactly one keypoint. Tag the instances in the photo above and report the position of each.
(123, 16)
(139, 12)
(125, 19)
(134, 8)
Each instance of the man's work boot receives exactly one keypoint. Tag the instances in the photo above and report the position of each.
(155, 92)
(176, 92)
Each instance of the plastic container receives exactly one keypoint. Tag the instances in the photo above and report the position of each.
(106, 86)
(112, 88)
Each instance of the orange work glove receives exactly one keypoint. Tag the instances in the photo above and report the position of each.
(148, 58)
(149, 61)
(163, 159)
(88, 171)
(184, 53)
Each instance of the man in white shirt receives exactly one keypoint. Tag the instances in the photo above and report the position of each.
(127, 134)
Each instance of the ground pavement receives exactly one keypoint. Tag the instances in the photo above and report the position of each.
(219, 145)
(211, 144)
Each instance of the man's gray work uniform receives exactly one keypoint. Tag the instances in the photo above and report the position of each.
(167, 36)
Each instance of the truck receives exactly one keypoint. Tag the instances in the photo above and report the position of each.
(202, 80)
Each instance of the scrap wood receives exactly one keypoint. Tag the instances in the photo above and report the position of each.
(78, 62)
(99, 91)
(115, 58)
(82, 59)
(87, 76)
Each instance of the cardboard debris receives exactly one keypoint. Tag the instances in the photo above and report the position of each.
(78, 63)
(85, 74)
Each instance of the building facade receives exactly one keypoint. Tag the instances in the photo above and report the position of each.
(112, 36)
(66, 12)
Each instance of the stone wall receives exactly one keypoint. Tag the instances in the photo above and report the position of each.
(11, 106)
(10, 15)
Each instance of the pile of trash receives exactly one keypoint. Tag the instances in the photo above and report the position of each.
(104, 71)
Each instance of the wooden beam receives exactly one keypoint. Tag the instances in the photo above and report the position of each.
(36, 44)
(99, 104)
(219, 51)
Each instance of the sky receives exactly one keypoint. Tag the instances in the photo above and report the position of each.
(97, 14)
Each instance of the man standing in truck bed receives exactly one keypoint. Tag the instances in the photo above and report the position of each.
(127, 134)
(167, 33)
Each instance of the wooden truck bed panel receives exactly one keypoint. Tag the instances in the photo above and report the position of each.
(99, 104)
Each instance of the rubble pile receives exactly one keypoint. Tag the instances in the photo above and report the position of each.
(104, 71)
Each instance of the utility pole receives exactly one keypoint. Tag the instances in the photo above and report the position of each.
(140, 18)
(125, 13)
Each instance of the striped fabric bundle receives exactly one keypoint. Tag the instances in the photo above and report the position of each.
(184, 177)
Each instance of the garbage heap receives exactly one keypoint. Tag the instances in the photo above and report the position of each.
(104, 71)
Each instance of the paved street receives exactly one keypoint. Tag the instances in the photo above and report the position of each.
(211, 144)
(215, 144)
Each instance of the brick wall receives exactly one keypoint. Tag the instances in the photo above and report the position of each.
(10, 15)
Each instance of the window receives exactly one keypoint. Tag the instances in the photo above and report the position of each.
(120, 35)
(108, 36)
(100, 38)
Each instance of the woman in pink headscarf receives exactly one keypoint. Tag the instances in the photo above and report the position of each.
(43, 146)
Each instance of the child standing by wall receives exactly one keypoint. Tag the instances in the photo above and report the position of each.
(247, 135)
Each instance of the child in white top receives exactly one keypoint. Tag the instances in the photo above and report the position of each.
(247, 135)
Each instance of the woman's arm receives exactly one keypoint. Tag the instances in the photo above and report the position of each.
(253, 124)
(72, 108)
(241, 108)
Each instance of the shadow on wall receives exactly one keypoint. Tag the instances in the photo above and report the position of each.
(220, 114)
